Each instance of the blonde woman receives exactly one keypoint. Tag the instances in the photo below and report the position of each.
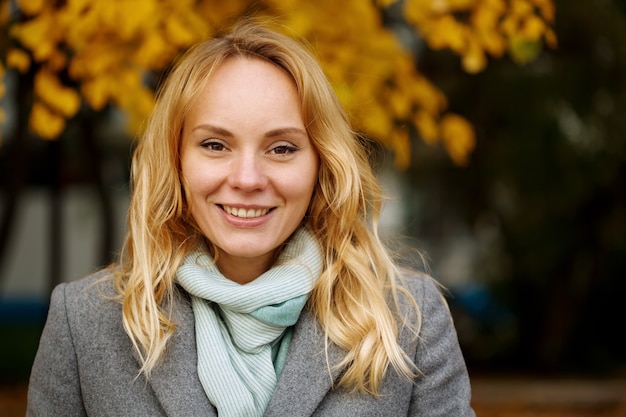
(252, 281)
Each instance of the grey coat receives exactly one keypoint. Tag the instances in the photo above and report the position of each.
(86, 366)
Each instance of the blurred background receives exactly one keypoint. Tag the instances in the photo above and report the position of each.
(499, 136)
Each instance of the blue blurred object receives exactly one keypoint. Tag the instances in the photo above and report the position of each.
(22, 311)
(478, 302)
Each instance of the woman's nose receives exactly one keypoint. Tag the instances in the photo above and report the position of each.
(247, 173)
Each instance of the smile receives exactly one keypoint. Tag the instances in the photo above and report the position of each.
(245, 213)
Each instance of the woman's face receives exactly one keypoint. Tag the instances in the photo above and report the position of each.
(248, 164)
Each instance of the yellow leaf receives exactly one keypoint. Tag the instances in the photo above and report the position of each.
(401, 145)
(178, 33)
(533, 28)
(67, 102)
(485, 18)
(523, 51)
(453, 5)
(550, 38)
(521, 8)
(416, 11)
(18, 59)
(427, 95)
(138, 108)
(44, 123)
(497, 5)
(31, 7)
(474, 60)
(377, 121)
(510, 25)
(78, 6)
(385, 3)
(57, 61)
(97, 60)
(458, 137)
(96, 92)
(37, 35)
(546, 8)
(400, 103)
(447, 33)
(49, 89)
(135, 15)
(154, 52)
(493, 42)
(427, 127)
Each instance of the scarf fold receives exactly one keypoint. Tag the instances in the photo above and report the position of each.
(238, 325)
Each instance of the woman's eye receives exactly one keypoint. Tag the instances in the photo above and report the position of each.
(213, 145)
(284, 150)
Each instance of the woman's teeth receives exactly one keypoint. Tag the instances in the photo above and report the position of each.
(245, 213)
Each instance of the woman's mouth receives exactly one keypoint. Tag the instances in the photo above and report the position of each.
(245, 213)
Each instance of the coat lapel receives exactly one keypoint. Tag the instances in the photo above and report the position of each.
(303, 383)
(175, 382)
(305, 379)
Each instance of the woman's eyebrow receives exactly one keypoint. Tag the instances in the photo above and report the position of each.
(220, 131)
(287, 131)
(216, 130)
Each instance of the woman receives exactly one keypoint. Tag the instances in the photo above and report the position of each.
(252, 281)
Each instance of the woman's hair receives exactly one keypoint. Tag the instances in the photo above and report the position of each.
(353, 298)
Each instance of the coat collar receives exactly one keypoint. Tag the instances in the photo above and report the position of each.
(303, 383)
(175, 381)
(306, 376)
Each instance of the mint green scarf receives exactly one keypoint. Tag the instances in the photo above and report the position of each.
(237, 326)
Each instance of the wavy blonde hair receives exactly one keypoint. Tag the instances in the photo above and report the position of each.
(353, 298)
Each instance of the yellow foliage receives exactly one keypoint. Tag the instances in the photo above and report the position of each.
(474, 59)
(96, 92)
(63, 99)
(427, 127)
(105, 48)
(178, 33)
(384, 3)
(154, 52)
(546, 8)
(485, 19)
(45, 123)
(427, 96)
(458, 137)
(492, 26)
(522, 50)
(377, 123)
(550, 38)
(18, 59)
(521, 8)
(402, 148)
(38, 35)
(31, 7)
(533, 28)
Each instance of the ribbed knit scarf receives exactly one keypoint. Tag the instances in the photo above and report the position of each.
(238, 325)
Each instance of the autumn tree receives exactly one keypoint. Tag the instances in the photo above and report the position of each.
(67, 65)
(96, 53)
